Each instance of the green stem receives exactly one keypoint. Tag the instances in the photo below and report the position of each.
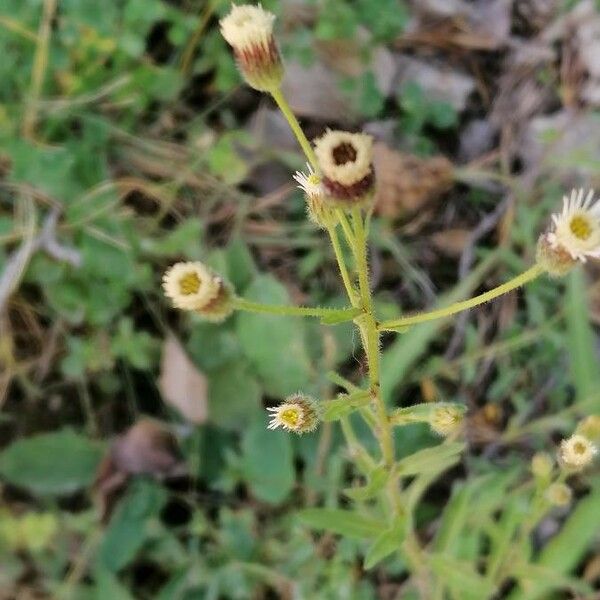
(295, 311)
(457, 307)
(284, 107)
(370, 337)
(335, 242)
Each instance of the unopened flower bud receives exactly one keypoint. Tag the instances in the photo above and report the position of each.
(298, 413)
(446, 420)
(542, 465)
(249, 31)
(346, 161)
(590, 428)
(553, 257)
(576, 453)
(195, 287)
(559, 494)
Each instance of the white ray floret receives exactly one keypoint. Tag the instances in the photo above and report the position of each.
(577, 228)
(310, 184)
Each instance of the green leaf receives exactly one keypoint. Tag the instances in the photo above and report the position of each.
(389, 541)
(267, 462)
(56, 463)
(343, 522)
(108, 586)
(431, 459)
(343, 405)
(274, 345)
(131, 525)
(582, 347)
(233, 395)
(460, 577)
(378, 477)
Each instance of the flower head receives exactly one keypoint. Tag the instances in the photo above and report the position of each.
(249, 31)
(346, 162)
(559, 494)
(194, 286)
(298, 413)
(446, 420)
(317, 208)
(576, 452)
(576, 230)
(310, 184)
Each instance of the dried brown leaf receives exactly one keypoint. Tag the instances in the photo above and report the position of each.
(181, 384)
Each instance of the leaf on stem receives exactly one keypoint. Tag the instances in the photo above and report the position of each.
(342, 522)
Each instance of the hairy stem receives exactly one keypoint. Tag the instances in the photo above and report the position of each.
(284, 107)
(296, 311)
(337, 248)
(457, 307)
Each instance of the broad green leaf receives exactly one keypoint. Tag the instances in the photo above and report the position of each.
(131, 525)
(267, 462)
(108, 586)
(274, 345)
(55, 463)
(431, 459)
(343, 522)
(389, 541)
(233, 395)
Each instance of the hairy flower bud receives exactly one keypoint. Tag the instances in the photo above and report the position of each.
(576, 452)
(590, 428)
(559, 494)
(298, 413)
(542, 465)
(446, 420)
(249, 31)
(552, 257)
(346, 161)
(194, 286)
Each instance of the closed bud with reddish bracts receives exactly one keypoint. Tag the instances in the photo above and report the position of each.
(249, 31)
(346, 163)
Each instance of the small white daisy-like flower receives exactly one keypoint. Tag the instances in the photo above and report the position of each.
(310, 184)
(249, 31)
(577, 228)
(191, 285)
(297, 413)
(576, 452)
(446, 420)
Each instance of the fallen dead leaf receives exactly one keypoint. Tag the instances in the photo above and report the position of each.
(405, 183)
(181, 384)
(146, 448)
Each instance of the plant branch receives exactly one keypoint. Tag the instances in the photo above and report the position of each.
(457, 307)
